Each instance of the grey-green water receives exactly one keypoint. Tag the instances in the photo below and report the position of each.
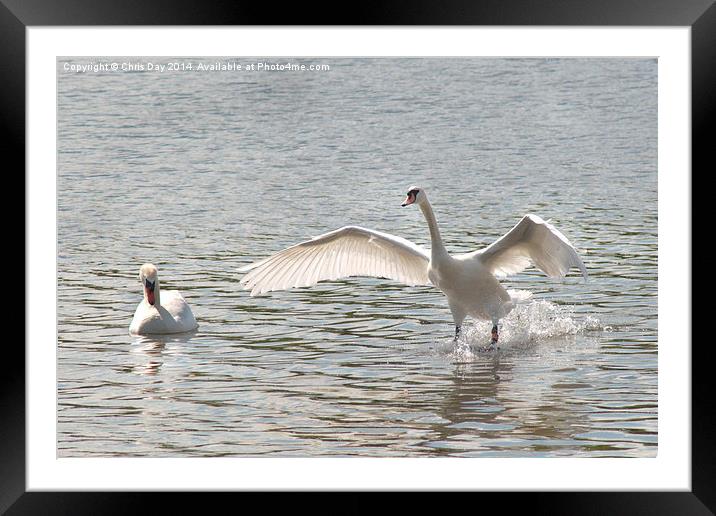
(202, 172)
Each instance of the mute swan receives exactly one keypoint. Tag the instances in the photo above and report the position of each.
(468, 280)
(169, 313)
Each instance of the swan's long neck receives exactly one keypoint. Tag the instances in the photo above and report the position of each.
(437, 248)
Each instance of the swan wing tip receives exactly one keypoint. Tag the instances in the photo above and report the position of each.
(580, 265)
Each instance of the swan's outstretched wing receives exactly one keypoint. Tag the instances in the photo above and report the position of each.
(349, 251)
(532, 240)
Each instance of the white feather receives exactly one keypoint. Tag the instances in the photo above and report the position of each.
(531, 241)
(348, 251)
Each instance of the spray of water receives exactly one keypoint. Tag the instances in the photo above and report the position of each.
(526, 325)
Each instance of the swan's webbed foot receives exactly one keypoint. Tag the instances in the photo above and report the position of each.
(495, 335)
(493, 340)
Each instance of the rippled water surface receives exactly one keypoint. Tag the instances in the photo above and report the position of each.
(203, 172)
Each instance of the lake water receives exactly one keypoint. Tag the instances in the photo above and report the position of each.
(201, 172)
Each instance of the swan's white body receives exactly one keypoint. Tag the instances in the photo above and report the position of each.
(468, 280)
(160, 314)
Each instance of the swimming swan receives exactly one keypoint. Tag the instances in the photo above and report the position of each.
(468, 280)
(169, 313)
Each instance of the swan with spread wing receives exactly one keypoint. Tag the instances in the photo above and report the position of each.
(468, 280)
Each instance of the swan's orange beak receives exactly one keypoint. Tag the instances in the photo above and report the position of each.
(410, 199)
(149, 291)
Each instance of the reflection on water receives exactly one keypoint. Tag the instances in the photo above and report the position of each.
(153, 349)
(239, 166)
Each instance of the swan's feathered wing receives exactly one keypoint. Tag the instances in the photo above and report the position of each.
(348, 251)
(532, 240)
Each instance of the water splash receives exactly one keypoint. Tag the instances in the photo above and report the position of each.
(525, 326)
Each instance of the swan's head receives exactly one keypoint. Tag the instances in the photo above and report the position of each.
(415, 194)
(148, 277)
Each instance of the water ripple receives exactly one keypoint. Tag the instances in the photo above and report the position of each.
(201, 174)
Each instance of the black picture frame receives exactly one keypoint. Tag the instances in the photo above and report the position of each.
(700, 15)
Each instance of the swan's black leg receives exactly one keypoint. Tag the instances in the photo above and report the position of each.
(457, 332)
(495, 337)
